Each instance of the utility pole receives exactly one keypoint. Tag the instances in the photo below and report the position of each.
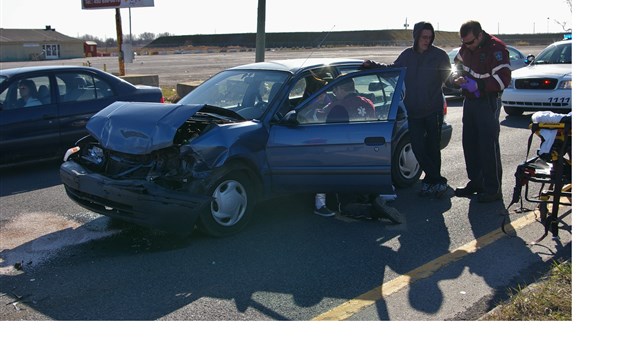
(119, 40)
(260, 31)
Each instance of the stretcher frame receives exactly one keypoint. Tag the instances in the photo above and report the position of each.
(552, 172)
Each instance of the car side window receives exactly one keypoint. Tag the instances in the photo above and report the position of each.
(514, 55)
(81, 87)
(362, 98)
(27, 92)
(308, 84)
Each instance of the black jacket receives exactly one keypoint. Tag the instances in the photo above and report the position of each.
(426, 73)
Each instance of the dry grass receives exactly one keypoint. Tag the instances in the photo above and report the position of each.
(548, 299)
(170, 94)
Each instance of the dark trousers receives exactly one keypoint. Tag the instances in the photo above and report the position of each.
(481, 143)
(425, 143)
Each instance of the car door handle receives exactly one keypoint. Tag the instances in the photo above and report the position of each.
(374, 141)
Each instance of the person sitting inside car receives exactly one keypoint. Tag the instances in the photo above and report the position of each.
(349, 105)
(27, 93)
(75, 88)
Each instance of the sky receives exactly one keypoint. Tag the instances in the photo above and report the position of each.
(189, 17)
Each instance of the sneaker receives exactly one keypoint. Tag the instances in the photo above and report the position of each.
(425, 190)
(439, 189)
(384, 211)
(324, 211)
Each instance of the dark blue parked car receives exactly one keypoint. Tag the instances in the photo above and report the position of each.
(247, 133)
(44, 110)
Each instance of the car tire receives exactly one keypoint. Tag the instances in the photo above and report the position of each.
(231, 208)
(406, 169)
(512, 111)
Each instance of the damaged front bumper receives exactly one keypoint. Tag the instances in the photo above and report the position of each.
(136, 201)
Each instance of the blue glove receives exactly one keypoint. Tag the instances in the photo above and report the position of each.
(471, 86)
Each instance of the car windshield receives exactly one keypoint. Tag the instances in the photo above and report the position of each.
(246, 92)
(555, 54)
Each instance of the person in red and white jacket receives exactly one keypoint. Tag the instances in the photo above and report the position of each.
(483, 69)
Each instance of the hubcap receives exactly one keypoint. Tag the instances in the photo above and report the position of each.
(230, 201)
(407, 163)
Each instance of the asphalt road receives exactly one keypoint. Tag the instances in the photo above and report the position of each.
(448, 261)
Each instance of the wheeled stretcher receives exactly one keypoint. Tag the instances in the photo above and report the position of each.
(547, 176)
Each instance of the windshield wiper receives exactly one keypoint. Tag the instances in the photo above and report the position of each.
(229, 114)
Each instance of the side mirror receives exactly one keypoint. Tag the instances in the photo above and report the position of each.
(529, 59)
(290, 119)
(376, 86)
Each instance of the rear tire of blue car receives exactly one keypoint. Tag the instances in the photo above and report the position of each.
(231, 208)
(405, 166)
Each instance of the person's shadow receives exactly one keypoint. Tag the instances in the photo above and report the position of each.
(426, 239)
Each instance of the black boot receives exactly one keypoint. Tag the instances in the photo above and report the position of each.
(466, 191)
(382, 210)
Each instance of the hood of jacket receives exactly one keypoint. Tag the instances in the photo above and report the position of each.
(417, 31)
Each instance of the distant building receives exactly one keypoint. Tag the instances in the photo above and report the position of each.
(90, 49)
(38, 44)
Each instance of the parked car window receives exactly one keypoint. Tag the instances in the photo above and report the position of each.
(514, 54)
(82, 87)
(34, 91)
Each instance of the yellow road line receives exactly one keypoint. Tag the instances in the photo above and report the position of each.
(355, 305)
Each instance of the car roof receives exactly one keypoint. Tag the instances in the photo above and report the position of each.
(295, 65)
(29, 69)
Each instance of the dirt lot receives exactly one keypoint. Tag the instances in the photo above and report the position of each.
(187, 67)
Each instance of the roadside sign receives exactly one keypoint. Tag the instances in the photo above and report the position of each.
(101, 4)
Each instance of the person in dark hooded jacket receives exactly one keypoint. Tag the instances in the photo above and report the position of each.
(428, 67)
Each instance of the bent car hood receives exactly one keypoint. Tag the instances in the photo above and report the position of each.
(139, 128)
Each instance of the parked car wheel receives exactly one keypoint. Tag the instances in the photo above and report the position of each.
(231, 207)
(405, 166)
(511, 111)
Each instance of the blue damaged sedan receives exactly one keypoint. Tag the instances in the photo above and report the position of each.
(246, 134)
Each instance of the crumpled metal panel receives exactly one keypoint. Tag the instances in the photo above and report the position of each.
(139, 128)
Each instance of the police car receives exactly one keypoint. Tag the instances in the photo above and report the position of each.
(545, 84)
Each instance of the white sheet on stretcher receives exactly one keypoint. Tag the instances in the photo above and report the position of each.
(548, 135)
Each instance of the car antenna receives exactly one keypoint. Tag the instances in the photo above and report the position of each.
(319, 45)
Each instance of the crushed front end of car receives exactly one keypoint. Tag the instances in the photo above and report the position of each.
(147, 163)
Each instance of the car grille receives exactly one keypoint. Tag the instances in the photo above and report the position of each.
(126, 166)
(563, 104)
(543, 84)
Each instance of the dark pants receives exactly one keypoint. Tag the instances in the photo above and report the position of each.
(425, 143)
(481, 143)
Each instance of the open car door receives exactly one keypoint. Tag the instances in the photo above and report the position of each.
(339, 148)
